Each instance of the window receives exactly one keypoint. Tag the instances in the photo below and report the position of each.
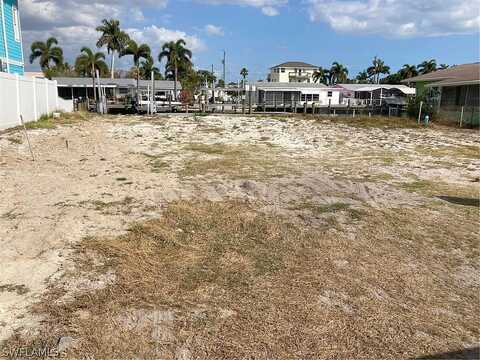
(330, 94)
(316, 97)
(282, 70)
(16, 26)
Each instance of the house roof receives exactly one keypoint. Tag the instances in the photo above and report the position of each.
(458, 73)
(274, 85)
(296, 64)
(372, 87)
(301, 87)
(115, 83)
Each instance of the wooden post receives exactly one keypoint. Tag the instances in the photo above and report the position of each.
(353, 112)
(420, 112)
(461, 116)
(28, 139)
(305, 105)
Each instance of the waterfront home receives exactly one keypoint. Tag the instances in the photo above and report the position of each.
(11, 50)
(292, 72)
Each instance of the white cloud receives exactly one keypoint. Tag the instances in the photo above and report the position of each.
(270, 11)
(157, 36)
(268, 7)
(73, 23)
(399, 18)
(214, 30)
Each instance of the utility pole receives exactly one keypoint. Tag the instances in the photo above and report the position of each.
(213, 85)
(224, 67)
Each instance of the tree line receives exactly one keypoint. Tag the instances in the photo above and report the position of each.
(338, 73)
(178, 57)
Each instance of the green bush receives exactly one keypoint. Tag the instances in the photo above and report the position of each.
(413, 107)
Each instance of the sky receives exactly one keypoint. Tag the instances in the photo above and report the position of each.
(258, 34)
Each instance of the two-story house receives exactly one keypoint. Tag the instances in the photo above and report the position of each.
(11, 50)
(292, 72)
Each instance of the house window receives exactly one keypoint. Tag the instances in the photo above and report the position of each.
(282, 70)
(316, 97)
(329, 94)
(16, 26)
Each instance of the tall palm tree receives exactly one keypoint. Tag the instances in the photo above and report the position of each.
(147, 67)
(178, 56)
(407, 71)
(88, 62)
(113, 38)
(338, 73)
(321, 76)
(47, 53)
(427, 66)
(137, 52)
(244, 74)
(378, 67)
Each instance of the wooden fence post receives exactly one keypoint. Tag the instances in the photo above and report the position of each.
(420, 112)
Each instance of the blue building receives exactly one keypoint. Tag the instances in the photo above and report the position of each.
(11, 50)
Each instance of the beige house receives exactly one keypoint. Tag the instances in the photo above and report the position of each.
(292, 72)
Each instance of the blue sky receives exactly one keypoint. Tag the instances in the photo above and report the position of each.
(258, 34)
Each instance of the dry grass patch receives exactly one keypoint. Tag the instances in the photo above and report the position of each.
(372, 122)
(111, 207)
(464, 151)
(236, 161)
(441, 188)
(156, 162)
(221, 280)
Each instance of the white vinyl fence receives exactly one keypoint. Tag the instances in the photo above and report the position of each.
(30, 97)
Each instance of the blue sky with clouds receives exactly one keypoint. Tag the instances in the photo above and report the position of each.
(258, 34)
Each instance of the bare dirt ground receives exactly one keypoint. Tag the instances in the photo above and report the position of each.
(214, 237)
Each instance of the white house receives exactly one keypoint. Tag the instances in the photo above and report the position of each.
(292, 72)
(366, 94)
(276, 93)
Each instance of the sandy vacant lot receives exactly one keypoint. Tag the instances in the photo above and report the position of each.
(215, 237)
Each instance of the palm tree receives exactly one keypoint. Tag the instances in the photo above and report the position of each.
(147, 67)
(362, 77)
(178, 56)
(244, 74)
(378, 67)
(338, 73)
(321, 76)
(443, 66)
(206, 77)
(112, 37)
(408, 71)
(88, 63)
(427, 66)
(137, 52)
(47, 53)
